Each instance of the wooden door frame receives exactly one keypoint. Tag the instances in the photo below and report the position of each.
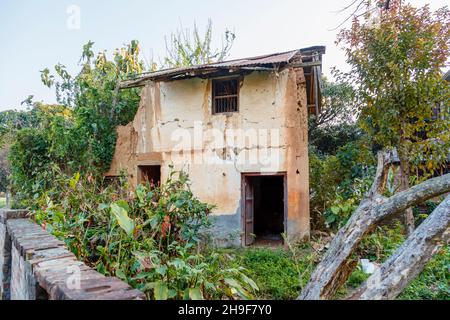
(244, 176)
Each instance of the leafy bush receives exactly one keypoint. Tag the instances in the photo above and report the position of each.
(380, 244)
(328, 139)
(338, 183)
(149, 238)
(78, 134)
(356, 278)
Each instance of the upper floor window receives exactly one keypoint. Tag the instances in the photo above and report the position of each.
(225, 95)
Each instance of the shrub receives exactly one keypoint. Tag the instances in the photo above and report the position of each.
(149, 238)
(338, 183)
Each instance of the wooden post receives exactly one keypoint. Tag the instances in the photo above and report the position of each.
(316, 83)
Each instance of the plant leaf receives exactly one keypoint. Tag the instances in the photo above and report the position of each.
(195, 294)
(74, 180)
(335, 210)
(161, 291)
(122, 218)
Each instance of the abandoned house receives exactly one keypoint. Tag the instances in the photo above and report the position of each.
(239, 128)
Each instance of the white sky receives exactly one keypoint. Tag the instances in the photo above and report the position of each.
(35, 34)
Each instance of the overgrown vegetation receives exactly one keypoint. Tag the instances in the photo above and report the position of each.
(150, 238)
(78, 133)
(431, 284)
(396, 56)
(338, 183)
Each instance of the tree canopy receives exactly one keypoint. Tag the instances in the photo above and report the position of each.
(396, 57)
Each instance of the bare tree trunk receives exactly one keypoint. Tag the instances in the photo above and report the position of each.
(410, 259)
(335, 267)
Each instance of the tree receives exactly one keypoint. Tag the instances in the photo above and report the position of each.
(410, 259)
(396, 57)
(335, 266)
(185, 49)
(77, 134)
(395, 64)
(337, 106)
(11, 121)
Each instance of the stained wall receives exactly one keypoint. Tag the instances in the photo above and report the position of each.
(216, 149)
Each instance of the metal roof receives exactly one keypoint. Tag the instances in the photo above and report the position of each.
(269, 60)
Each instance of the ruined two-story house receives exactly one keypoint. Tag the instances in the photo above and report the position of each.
(240, 130)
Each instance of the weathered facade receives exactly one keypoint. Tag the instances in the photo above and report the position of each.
(246, 150)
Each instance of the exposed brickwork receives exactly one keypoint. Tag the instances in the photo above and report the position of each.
(42, 268)
(5, 250)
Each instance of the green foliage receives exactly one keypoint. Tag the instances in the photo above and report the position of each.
(422, 211)
(380, 244)
(432, 283)
(327, 139)
(11, 121)
(336, 125)
(357, 277)
(396, 60)
(275, 271)
(338, 183)
(185, 49)
(149, 238)
(77, 135)
(391, 185)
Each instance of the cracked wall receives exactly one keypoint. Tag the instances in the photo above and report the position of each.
(267, 101)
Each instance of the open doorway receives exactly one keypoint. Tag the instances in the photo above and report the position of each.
(150, 174)
(264, 208)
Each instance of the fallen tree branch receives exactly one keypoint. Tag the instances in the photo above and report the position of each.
(410, 259)
(335, 267)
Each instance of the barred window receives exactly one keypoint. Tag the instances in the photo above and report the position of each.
(225, 95)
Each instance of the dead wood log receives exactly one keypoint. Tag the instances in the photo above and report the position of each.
(335, 267)
(410, 259)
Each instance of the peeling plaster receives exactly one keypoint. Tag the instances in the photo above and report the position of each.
(267, 101)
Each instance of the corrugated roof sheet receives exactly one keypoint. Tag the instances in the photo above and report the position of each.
(269, 59)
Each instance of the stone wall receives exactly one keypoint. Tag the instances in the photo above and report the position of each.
(5, 251)
(34, 265)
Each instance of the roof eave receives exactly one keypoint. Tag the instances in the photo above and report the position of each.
(204, 70)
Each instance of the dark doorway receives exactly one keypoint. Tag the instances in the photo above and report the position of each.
(150, 174)
(264, 209)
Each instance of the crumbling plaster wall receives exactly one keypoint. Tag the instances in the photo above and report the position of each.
(267, 101)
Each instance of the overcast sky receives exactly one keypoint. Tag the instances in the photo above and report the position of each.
(39, 34)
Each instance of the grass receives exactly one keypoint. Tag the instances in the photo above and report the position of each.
(434, 281)
(431, 284)
(2, 202)
(280, 273)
